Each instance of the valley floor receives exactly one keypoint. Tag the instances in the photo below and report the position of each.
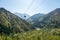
(43, 34)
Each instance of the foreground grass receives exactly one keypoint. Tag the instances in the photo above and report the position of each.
(43, 34)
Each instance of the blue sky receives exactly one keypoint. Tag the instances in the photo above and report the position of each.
(30, 7)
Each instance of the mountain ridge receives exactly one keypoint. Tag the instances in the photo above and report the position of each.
(51, 19)
(23, 16)
(10, 21)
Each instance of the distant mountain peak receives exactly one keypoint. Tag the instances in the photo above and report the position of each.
(57, 9)
(2, 8)
(22, 15)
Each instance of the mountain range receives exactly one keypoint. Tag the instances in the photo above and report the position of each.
(9, 22)
(36, 18)
(17, 22)
(50, 20)
(23, 16)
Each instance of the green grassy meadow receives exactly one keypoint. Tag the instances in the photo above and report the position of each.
(43, 34)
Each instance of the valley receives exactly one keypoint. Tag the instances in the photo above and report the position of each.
(36, 27)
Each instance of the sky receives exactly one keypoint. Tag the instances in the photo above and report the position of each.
(30, 7)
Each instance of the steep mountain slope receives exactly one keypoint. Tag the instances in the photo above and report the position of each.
(36, 18)
(51, 20)
(23, 16)
(9, 21)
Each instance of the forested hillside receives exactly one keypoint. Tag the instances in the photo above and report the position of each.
(12, 23)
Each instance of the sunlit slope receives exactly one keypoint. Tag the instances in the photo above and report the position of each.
(12, 22)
